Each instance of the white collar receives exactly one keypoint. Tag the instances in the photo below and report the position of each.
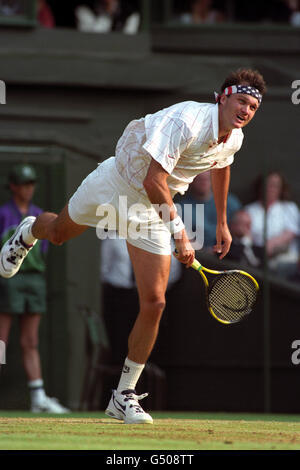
(215, 122)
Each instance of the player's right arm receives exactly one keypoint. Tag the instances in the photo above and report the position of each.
(156, 187)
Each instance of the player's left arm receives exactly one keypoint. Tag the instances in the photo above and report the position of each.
(155, 184)
(220, 179)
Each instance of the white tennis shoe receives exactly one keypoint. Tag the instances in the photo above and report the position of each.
(125, 407)
(14, 251)
(48, 405)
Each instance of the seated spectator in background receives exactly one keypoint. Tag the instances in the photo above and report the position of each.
(294, 6)
(200, 192)
(108, 15)
(45, 17)
(44, 14)
(242, 248)
(11, 8)
(282, 223)
(202, 12)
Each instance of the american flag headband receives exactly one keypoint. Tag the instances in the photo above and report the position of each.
(245, 89)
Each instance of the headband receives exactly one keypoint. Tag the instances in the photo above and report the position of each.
(245, 89)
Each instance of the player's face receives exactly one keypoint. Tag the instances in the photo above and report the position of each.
(238, 110)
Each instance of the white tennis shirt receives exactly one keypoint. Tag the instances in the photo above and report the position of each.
(182, 138)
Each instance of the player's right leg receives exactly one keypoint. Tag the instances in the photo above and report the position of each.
(95, 190)
(56, 228)
(47, 226)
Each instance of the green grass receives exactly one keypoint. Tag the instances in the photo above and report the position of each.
(170, 431)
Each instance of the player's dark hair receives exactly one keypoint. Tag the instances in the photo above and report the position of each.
(245, 77)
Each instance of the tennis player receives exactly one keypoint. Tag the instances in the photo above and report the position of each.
(156, 157)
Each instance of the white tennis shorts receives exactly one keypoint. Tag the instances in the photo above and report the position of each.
(105, 201)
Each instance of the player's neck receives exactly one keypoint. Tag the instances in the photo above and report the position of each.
(224, 136)
(224, 130)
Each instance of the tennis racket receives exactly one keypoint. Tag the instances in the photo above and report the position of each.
(231, 295)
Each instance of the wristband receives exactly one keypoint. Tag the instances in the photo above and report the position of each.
(175, 225)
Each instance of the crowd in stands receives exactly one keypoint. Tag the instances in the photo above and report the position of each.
(265, 234)
(265, 230)
(216, 11)
(106, 16)
(102, 16)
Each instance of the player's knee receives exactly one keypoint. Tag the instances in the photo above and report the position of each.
(160, 305)
(154, 308)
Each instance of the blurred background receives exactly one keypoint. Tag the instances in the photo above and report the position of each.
(76, 73)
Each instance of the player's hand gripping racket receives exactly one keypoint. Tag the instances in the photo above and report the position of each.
(231, 295)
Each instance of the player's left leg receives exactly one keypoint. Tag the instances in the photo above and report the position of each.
(152, 274)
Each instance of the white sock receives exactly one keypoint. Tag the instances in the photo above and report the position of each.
(37, 392)
(130, 375)
(27, 236)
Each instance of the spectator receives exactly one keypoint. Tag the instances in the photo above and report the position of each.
(282, 223)
(24, 296)
(294, 6)
(44, 15)
(11, 7)
(242, 248)
(201, 193)
(202, 12)
(108, 15)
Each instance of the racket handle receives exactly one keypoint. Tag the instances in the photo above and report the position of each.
(196, 265)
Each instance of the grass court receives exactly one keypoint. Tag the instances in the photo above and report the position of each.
(170, 431)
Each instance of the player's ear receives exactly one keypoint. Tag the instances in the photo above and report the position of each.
(223, 99)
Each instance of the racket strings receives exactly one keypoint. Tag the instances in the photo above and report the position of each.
(232, 296)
